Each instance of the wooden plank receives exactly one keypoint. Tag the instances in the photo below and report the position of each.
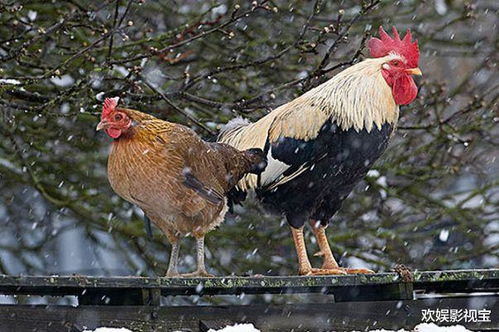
(457, 280)
(297, 316)
(473, 278)
(382, 286)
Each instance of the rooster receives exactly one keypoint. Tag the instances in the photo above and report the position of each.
(177, 179)
(322, 143)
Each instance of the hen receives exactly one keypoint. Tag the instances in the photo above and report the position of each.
(178, 180)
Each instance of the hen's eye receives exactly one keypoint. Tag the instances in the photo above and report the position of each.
(118, 117)
(395, 63)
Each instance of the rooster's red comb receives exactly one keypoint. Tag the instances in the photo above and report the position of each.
(386, 45)
(109, 105)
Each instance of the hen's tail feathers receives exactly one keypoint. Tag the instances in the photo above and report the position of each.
(258, 160)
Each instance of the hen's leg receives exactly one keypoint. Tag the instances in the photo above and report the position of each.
(201, 269)
(174, 239)
(304, 264)
(172, 265)
(325, 251)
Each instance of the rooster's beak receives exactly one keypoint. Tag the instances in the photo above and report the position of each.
(102, 125)
(414, 71)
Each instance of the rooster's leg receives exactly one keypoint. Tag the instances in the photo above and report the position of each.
(325, 251)
(304, 267)
(201, 269)
(304, 264)
(172, 265)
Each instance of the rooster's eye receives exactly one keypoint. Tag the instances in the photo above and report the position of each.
(396, 63)
(118, 117)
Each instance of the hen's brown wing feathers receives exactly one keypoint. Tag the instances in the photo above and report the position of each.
(176, 165)
(210, 169)
(192, 182)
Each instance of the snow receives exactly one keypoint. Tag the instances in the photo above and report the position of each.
(122, 70)
(444, 235)
(219, 10)
(32, 15)
(237, 328)
(9, 81)
(99, 96)
(430, 328)
(440, 7)
(7, 164)
(63, 81)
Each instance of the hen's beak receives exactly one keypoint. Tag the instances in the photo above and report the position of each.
(102, 125)
(414, 71)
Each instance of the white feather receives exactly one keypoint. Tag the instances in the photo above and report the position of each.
(275, 169)
(288, 178)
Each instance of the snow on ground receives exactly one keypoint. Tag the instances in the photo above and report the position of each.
(251, 328)
(431, 328)
(237, 328)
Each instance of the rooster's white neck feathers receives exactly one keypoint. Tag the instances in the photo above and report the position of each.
(357, 98)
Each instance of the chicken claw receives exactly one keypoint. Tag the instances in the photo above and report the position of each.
(357, 271)
(197, 274)
(320, 272)
(172, 275)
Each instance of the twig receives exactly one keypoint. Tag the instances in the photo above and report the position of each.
(178, 109)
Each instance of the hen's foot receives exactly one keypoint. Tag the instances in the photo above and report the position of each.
(197, 274)
(322, 272)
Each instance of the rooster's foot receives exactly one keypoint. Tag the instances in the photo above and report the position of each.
(332, 265)
(356, 271)
(197, 274)
(170, 274)
(322, 272)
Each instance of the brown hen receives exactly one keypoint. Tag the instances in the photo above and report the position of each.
(176, 178)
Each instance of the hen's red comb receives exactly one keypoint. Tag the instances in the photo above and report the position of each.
(109, 106)
(405, 47)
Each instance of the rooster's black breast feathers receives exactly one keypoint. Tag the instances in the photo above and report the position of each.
(325, 168)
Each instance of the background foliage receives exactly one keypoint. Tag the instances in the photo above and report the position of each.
(430, 203)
